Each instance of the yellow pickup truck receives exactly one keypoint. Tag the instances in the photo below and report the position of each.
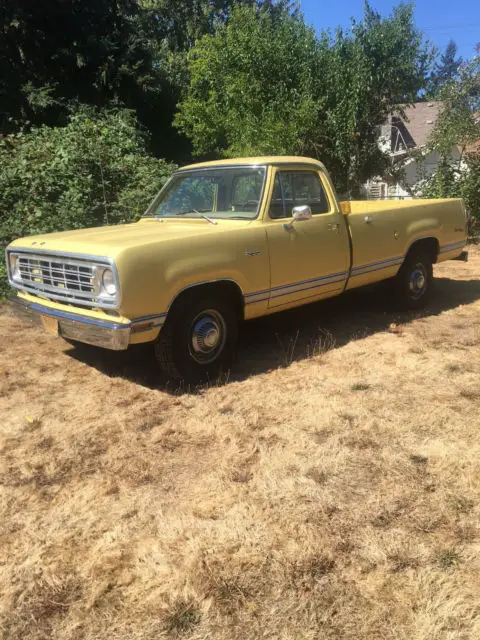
(223, 242)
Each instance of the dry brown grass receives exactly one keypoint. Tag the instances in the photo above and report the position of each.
(330, 489)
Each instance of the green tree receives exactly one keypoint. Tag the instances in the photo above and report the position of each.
(458, 122)
(54, 51)
(55, 54)
(264, 83)
(93, 171)
(450, 181)
(458, 127)
(252, 86)
(470, 192)
(444, 71)
(172, 28)
(123, 53)
(182, 22)
(366, 75)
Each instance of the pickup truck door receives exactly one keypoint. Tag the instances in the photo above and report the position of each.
(309, 259)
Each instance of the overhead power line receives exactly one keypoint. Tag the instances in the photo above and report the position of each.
(449, 27)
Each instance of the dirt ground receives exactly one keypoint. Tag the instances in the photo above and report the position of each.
(329, 489)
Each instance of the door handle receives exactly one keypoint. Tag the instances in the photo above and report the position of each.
(333, 227)
(368, 219)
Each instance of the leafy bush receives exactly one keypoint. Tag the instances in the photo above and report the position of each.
(449, 181)
(471, 193)
(458, 126)
(93, 171)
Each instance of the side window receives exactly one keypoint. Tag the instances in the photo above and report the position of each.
(276, 205)
(309, 190)
(288, 183)
(298, 188)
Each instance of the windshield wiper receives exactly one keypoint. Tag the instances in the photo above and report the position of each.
(202, 215)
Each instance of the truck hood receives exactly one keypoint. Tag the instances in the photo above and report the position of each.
(112, 240)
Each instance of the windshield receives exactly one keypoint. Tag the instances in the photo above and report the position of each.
(228, 193)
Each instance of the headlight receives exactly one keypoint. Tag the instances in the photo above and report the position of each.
(108, 282)
(14, 268)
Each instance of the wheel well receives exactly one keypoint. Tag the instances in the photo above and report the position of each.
(223, 288)
(430, 245)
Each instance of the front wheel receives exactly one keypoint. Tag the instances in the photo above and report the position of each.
(414, 281)
(198, 340)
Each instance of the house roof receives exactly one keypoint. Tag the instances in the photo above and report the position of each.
(473, 148)
(420, 120)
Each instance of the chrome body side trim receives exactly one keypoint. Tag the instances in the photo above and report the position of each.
(159, 318)
(295, 287)
(361, 270)
(376, 266)
(398, 260)
(453, 246)
(147, 323)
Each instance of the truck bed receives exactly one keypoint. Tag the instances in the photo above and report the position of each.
(382, 231)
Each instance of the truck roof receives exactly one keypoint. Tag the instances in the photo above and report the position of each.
(255, 160)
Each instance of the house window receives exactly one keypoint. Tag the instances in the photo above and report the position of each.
(377, 191)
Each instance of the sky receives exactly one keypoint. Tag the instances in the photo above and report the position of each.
(440, 20)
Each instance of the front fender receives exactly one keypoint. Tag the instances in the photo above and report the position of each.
(153, 275)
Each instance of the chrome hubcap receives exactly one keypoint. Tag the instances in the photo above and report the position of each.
(418, 281)
(208, 335)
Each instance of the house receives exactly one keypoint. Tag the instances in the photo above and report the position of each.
(399, 137)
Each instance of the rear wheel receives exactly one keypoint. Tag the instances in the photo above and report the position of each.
(198, 340)
(414, 281)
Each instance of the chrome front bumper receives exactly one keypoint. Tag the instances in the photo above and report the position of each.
(72, 326)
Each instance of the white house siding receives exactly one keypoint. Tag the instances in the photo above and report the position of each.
(400, 135)
(414, 173)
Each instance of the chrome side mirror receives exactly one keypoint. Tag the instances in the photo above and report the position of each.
(301, 213)
(298, 214)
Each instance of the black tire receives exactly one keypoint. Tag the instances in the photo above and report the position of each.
(198, 341)
(414, 282)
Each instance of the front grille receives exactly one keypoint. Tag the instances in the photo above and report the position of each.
(62, 276)
(65, 279)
